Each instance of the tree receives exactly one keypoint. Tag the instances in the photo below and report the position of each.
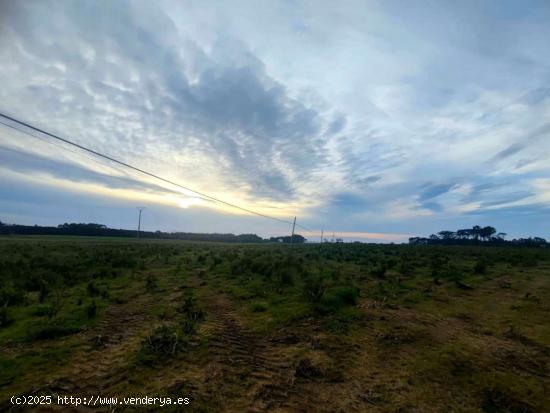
(464, 233)
(476, 232)
(446, 235)
(297, 239)
(487, 232)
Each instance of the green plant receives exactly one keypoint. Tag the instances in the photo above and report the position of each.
(480, 267)
(379, 271)
(11, 295)
(92, 289)
(258, 307)
(164, 341)
(5, 317)
(91, 310)
(50, 331)
(348, 295)
(55, 305)
(315, 287)
(43, 291)
(151, 282)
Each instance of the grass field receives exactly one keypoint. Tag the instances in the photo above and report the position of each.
(303, 328)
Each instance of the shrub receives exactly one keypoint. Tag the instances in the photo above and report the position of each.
(480, 267)
(164, 341)
(190, 309)
(5, 318)
(50, 331)
(41, 311)
(337, 298)
(285, 275)
(347, 295)
(258, 307)
(379, 271)
(406, 268)
(55, 305)
(92, 289)
(44, 290)
(315, 287)
(188, 326)
(307, 369)
(11, 295)
(91, 310)
(151, 282)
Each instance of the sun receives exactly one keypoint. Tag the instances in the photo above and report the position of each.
(187, 202)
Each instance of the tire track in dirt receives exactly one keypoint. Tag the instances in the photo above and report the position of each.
(238, 370)
(252, 374)
(101, 367)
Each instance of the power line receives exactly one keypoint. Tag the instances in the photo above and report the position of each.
(95, 160)
(51, 135)
(123, 174)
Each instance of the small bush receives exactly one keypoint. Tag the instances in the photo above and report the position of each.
(258, 307)
(55, 305)
(379, 272)
(406, 268)
(5, 318)
(164, 341)
(307, 369)
(285, 276)
(91, 310)
(41, 311)
(50, 331)
(337, 298)
(338, 325)
(315, 287)
(151, 282)
(480, 267)
(347, 295)
(44, 290)
(188, 327)
(11, 295)
(190, 309)
(92, 289)
(501, 399)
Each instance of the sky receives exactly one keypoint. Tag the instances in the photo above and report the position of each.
(373, 120)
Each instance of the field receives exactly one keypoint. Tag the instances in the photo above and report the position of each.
(279, 328)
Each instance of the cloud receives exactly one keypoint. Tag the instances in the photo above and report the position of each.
(509, 151)
(430, 190)
(371, 179)
(528, 140)
(25, 163)
(229, 112)
(362, 115)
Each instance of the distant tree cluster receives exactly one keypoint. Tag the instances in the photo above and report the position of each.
(296, 239)
(475, 235)
(100, 230)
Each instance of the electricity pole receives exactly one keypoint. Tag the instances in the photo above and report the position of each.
(322, 236)
(293, 226)
(139, 220)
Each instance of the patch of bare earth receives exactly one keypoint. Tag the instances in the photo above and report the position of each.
(100, 367)
(239, 370)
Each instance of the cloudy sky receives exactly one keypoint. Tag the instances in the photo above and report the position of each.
(372, 119)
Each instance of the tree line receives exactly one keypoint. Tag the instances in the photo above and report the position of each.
(475, 235)
(99, 230)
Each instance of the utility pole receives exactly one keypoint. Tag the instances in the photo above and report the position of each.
(293, 226)
(322, 237)
(139, 220)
